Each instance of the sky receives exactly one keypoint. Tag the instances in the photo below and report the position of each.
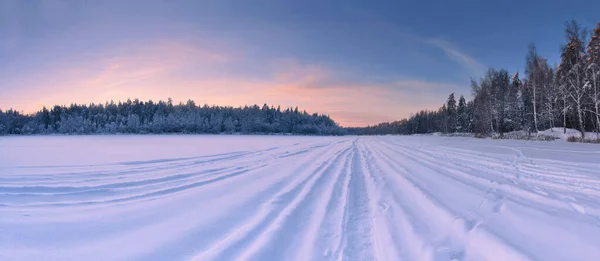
(361, 62)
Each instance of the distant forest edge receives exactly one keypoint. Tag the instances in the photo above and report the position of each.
(140, 117)
(567, 96)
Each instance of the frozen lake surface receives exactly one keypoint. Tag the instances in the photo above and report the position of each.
(297, 198)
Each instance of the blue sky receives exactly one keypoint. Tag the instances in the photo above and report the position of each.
(361, 62)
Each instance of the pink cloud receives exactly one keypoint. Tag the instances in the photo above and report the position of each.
(148, 71)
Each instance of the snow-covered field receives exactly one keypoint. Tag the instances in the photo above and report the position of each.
(297, 198)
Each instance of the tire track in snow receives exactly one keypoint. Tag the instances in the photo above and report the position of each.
(150, 186)
(449, 234)
(555, 175)
(394, 237)
(480, 179)
(184, 222)
(102, 199)
(228, 222)
(451, 187)
(257, 232)
(115, 173)
(27, 182)
(299, 230)
(365, 198)
(330, 228)
(356, 241)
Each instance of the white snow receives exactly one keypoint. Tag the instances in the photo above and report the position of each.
(297, 198)
(557, 133)
(564, 134)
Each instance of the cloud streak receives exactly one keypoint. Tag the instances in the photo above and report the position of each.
(474, 67)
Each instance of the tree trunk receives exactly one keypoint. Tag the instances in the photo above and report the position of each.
(564, 111)
(580, 116)
(597, 120)
(446, 125)
(535, 123)
(492, 121)
(597, 101)
(565, 120)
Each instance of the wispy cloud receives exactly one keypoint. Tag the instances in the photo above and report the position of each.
(471, 64)
(302, 75)
(136, 63)
(474, 67)
(143, 70)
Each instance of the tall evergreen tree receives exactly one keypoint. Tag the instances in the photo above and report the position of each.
(514, 105)
(451, 113)
(462, 115)
(500, 84)
(46, 117)
(483, 104)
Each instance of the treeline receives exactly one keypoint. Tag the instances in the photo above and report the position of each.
(567, 96)
(164, 117)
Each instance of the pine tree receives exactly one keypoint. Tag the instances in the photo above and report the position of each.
(500, 84)
(451, 113)
(482, 104)
(462, 114)
(514, 105)
(228, 125)
(46, 117)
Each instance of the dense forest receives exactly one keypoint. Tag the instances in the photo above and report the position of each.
(164, 117)
(567, 96)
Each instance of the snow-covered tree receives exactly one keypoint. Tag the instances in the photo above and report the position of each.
(593, 52)
(572, 71)
(451, 112)
(532, 69)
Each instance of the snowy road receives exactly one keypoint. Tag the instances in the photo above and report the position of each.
(297, 198)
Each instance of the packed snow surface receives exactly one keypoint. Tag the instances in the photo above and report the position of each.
(297, 198)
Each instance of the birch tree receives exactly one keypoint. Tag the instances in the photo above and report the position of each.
(572, 69)
(532, 69)
(593, 51)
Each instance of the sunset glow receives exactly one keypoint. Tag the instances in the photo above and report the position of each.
(299, 130)
(62, 52)
(181, 71)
